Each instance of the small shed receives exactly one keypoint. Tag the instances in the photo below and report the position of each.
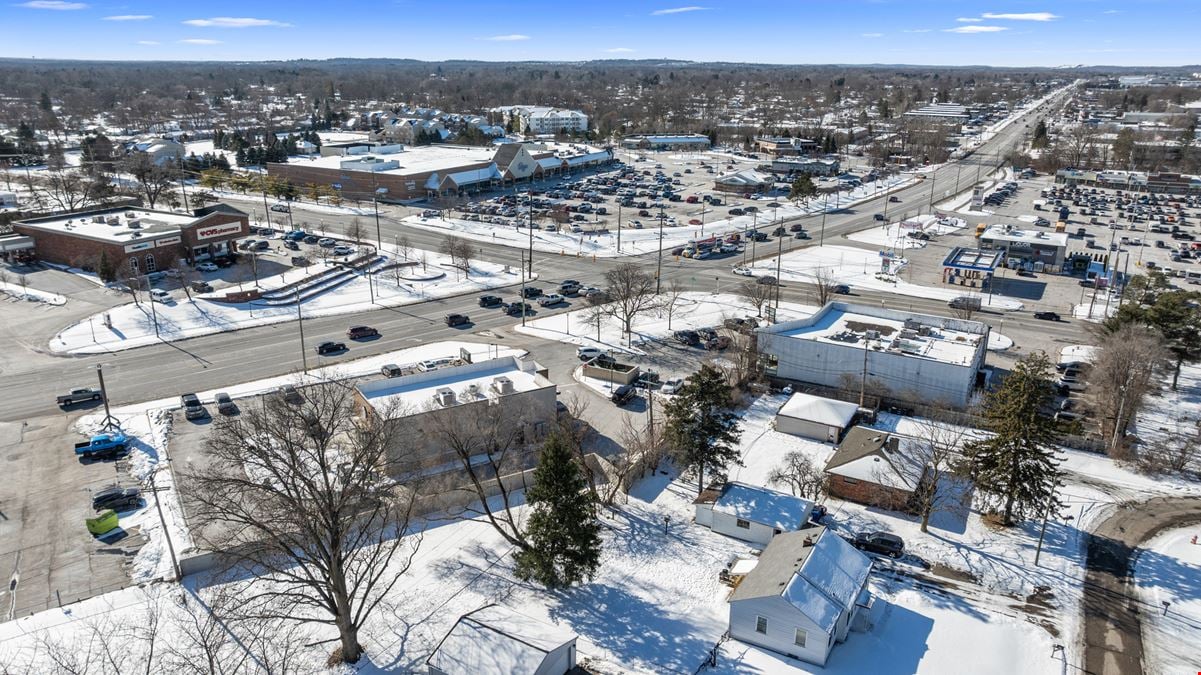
(751, 513)
(495, 640)
(821, 419)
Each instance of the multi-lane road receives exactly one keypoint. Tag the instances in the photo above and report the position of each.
(29, 382)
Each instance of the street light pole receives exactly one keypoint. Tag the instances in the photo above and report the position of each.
(659, 265)
(825, 207)
(779, 258)
(304, 361)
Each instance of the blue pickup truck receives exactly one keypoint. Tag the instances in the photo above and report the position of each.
(103, 446)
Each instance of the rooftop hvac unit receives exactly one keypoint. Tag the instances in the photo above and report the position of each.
(114, 221)
(135, 235)
(502, 385)
(871, 335)
(445, 396)
(924, 331)
(135, 224)
(97, 219)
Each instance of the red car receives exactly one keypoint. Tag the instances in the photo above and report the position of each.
(694, 221)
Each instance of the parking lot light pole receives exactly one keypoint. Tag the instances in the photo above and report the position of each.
(304, 360)
(530, 222)
(619, 227)
(779, 258)
(110, 422)
(153, 313)
(659, 266)
(375, 200)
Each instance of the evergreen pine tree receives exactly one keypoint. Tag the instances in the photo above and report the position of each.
(104, 268)
(701, 430)
(1016, 466)
(562, 531)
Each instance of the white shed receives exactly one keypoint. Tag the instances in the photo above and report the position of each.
(821, 419)
(803, 595)
(751, 513)
(494, 640)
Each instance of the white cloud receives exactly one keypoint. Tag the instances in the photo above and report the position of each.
(975, 29)
(515, 37)
(200, 41)
(678, 10)
(1026, 16)
(235, 22)
(1112, 11)
(917, 30)
(619, 50)
(129, 17)
(148, 42)
(872, 35)
(966, 19)
(53, 4)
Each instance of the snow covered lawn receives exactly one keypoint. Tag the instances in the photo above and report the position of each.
(693, 310)
(17, 292)
(133, 325)
(1168, 570)
(895, 235)
(860, 269)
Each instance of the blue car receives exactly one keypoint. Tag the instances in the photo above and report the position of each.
(295, 235)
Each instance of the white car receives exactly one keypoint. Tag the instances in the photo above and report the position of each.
(743, 271)
(588, 353)
(159, 295)
(548, 300)
(207, 267)
(672, 386)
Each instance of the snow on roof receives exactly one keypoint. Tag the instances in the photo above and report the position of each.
(747, 177)
(411, 394)
(1014, 235)
(818, 409)
(779, 510)
(828, 581)
(498, 640)
(121, 225)
(875, 456)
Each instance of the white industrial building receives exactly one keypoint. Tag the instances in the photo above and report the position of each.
(902, 355)
(942, 112)
(749, 512)
(814, 417)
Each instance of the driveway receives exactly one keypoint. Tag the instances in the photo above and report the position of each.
(1113, 641)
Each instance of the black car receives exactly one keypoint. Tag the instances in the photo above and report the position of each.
(623, 394)
(880, 542)
(767, 280)
(517, 308)
(531, 292)
(117, 498)
(201, 287)
(778, 232)
(453, 320)
(687, 337)
(223, 261)
(1046, 316)
(796, 227)
(225, 404)
(330, 348)
(490, 301)
(841, 289)
(358, 332)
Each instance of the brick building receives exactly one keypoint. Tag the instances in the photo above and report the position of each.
(145, 240)
(876, 468)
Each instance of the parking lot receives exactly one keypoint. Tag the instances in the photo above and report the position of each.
(51, 558)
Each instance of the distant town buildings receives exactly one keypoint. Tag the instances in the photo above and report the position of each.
(667, 142)
(785, 146)
(940, 112)
(538, 119)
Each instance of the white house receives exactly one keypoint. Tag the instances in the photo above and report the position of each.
(494, 640)
(803, 595)
(750, 512)
(815, 417)
(160, 150)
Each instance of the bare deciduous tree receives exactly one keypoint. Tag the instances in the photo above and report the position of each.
(631, 293)
(756, 294)
(671, 298)
(800, 475)
(403, 247)
(459, 252)
(152, 179)
(298, 496)
(931, 462)
(824, 284)
(355, 231)
(642, 449)
(1123, 374)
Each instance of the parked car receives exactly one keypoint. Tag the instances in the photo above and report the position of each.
(192, 409)
(453, 320)
(880, 542)
(206, 267)
(490, 301)
(530, 292)
(548, 300)
(326, 242)
(435, 364)
(289, 394)
(1046, 316)
(672, 386)
(686, 337)
(159, 295)
(717, 343)
(623, 394)
(330, 348)
(201, 287)
(225, 404)
(391, 370)
(343, 250)
(116, 498)
(588, 353)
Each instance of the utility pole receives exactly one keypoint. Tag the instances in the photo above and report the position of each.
(619, 227)
(304, 360)
(522, 293)
(530, 222)
(779, 258)
(379, 238)
(825, 207)
(166, 532)
(659, 265)
(863, 378)
(153, 312)
(110, 422)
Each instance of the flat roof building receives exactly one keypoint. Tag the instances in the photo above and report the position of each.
(811, 166)
(970, 267)
(144, 240)
(945, 112)
(782, 146)
(667, 142)
(900, 355)
(1027, 246)
(746, 181)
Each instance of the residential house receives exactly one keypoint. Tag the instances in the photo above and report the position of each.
(750, 512)
(162, 151)
(876, 468)
(495, 640)
(805, 593)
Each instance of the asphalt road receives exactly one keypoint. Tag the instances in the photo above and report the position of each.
(31, 380)
(1113, 640)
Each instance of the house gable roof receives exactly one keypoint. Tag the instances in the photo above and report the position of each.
(497, 640)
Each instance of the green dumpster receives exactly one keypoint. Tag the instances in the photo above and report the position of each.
(104, 523)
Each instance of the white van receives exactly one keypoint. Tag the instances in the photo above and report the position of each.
(159, 295)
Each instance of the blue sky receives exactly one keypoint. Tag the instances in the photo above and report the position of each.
(936, 32)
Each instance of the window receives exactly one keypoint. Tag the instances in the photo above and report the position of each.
(744, 524)
(761, 624)
(133, 265)
(800, 637)
(151, 266)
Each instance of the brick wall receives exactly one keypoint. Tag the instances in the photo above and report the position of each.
(867, 492)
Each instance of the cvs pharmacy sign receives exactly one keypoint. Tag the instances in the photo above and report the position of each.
(211, 231)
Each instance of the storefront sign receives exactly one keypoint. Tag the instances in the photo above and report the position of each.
(212, 231)
(169, 241)
(140, 246)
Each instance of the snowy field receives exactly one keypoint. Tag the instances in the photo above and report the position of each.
(637, 241)
(133, 325)
(1168, 569)
(860, 269)
(895, 235)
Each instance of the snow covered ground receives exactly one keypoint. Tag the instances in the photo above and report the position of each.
(896, 235)
(18, 292)
(133, 325)
(1168, 570)
(860, 269)
(1096, 308)
(637, 241)
(693, 310)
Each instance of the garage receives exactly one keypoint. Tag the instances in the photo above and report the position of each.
(814, 417)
